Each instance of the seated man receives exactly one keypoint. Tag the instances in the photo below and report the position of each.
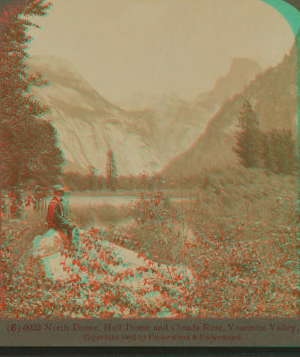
(58, 213)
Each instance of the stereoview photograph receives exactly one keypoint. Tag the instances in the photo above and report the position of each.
(149, 160)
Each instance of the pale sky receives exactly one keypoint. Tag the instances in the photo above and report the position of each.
(125, 47)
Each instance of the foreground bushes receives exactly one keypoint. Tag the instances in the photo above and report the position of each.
(239, 235)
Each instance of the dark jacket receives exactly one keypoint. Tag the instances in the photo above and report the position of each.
(58, 215)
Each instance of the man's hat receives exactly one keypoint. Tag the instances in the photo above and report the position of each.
(60, 188)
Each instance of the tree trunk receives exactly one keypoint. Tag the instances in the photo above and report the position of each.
(15, 196)
(16, 203)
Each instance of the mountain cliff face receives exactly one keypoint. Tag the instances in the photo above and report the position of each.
(179, 123)
(144, 137)
(241, 71)
(274, 97)
(89, 125)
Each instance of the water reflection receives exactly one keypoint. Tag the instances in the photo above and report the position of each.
(85, 200)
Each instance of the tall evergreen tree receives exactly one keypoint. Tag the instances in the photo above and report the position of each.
(99, 182)
(111, 172)
(248, 138)
(92, 178)
(289, 153)
(280, 154)
(24, 156)
(46, 157)
(269, 152)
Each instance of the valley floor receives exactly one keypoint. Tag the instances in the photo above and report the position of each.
(239, 237)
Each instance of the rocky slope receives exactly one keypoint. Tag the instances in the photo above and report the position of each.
(89, 125)
(179, 122)
(274, 96)
(143, 137)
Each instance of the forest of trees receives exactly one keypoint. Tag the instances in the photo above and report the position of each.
(112, 182)
(31, 159)
(275, 151)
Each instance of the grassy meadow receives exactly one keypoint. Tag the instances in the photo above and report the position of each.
(238, 234)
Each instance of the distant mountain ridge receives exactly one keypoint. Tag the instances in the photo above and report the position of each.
(180, 122)
(274, 97)
(240, 72)
(89, 125)
(143, 139)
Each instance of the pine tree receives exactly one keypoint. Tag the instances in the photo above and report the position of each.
(280, 152)
(269, 154)
(100, 182)
(92, 178)
(46, 158)
(289, 158)
(111, 172)
(26, 158)
(249, 138)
